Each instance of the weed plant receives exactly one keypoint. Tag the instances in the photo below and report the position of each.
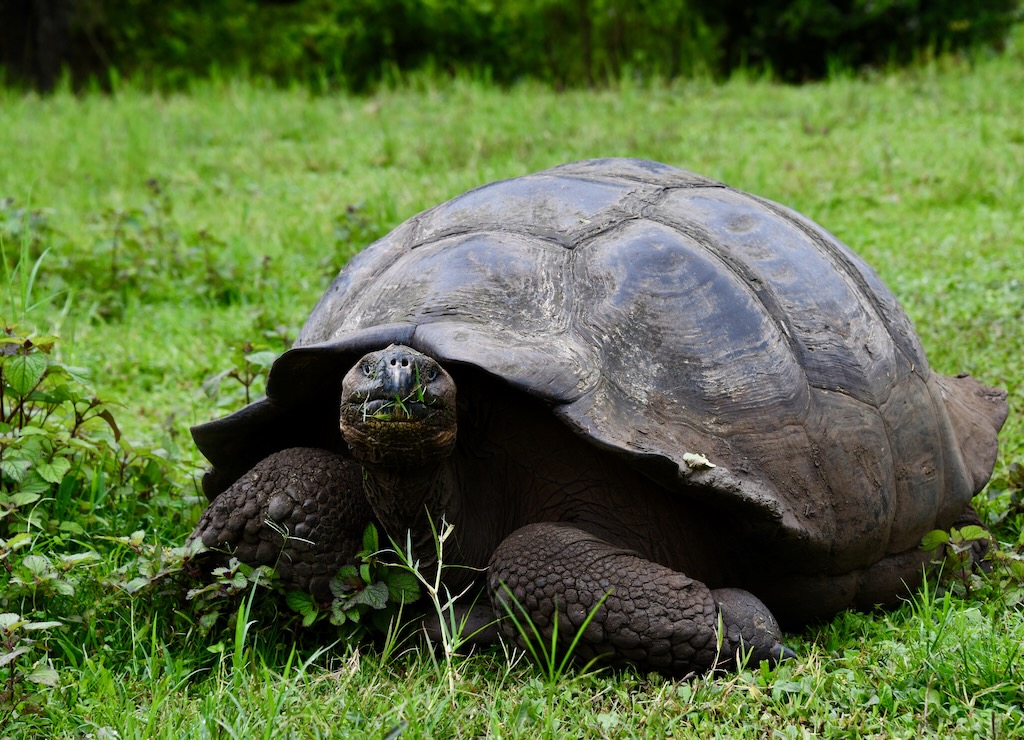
(158, 251)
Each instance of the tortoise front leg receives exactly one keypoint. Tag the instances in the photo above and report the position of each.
(653, 617)
(301, 511)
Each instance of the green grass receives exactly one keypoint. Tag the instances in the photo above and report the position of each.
(182, 227)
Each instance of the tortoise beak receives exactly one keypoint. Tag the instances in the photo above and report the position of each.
(400, 372)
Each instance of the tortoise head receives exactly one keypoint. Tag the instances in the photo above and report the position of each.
(398, 409)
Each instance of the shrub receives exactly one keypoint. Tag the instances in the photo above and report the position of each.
(355, 43)
(801, 39)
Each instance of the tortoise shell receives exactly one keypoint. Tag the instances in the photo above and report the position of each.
(734, 350)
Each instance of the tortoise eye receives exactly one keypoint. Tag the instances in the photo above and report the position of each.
(367, 369)
(431, 374)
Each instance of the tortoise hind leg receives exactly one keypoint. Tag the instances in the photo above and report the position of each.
(653, 617)
(301, 511)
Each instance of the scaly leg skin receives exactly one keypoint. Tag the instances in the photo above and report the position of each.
(653, 617)
(314, 496)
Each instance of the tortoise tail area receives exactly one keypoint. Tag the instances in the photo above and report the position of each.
(977, 413)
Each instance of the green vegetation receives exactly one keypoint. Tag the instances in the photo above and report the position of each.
(368, 598)
(355, 44)
(157, 250)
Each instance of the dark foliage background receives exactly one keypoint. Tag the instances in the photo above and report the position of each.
(353, 44)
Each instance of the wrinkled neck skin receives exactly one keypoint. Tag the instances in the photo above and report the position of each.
(407, 479)
(412, 503)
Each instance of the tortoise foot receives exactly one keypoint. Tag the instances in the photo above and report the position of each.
(621, 608)
(301, 511)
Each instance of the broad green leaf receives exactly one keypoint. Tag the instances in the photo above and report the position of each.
(69, 527)
(934, 539)
(6, 658)
(37, 565)
(15, 469)
(300, 602)
(24, 498)
(371, 543)
(23, 372)
(37, 432)
(608, 721)
(374, 596)
(9, 621)
(19, 540)
(973, 532)
(136, 584)
(345, 581)
(56, 395)
(33, 484)
(43, 342)
(44, 675)
(79, 374)
(212, 385)
(338, 617)
(264, 358)
(54, 470)
(263, 575)
(41, 625)
(402, 586)
(304, 604)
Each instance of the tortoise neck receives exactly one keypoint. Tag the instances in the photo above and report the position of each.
(413, 503)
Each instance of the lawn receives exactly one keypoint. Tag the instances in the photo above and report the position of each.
(167, 238)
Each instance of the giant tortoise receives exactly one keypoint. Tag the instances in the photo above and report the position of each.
(633, 391)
